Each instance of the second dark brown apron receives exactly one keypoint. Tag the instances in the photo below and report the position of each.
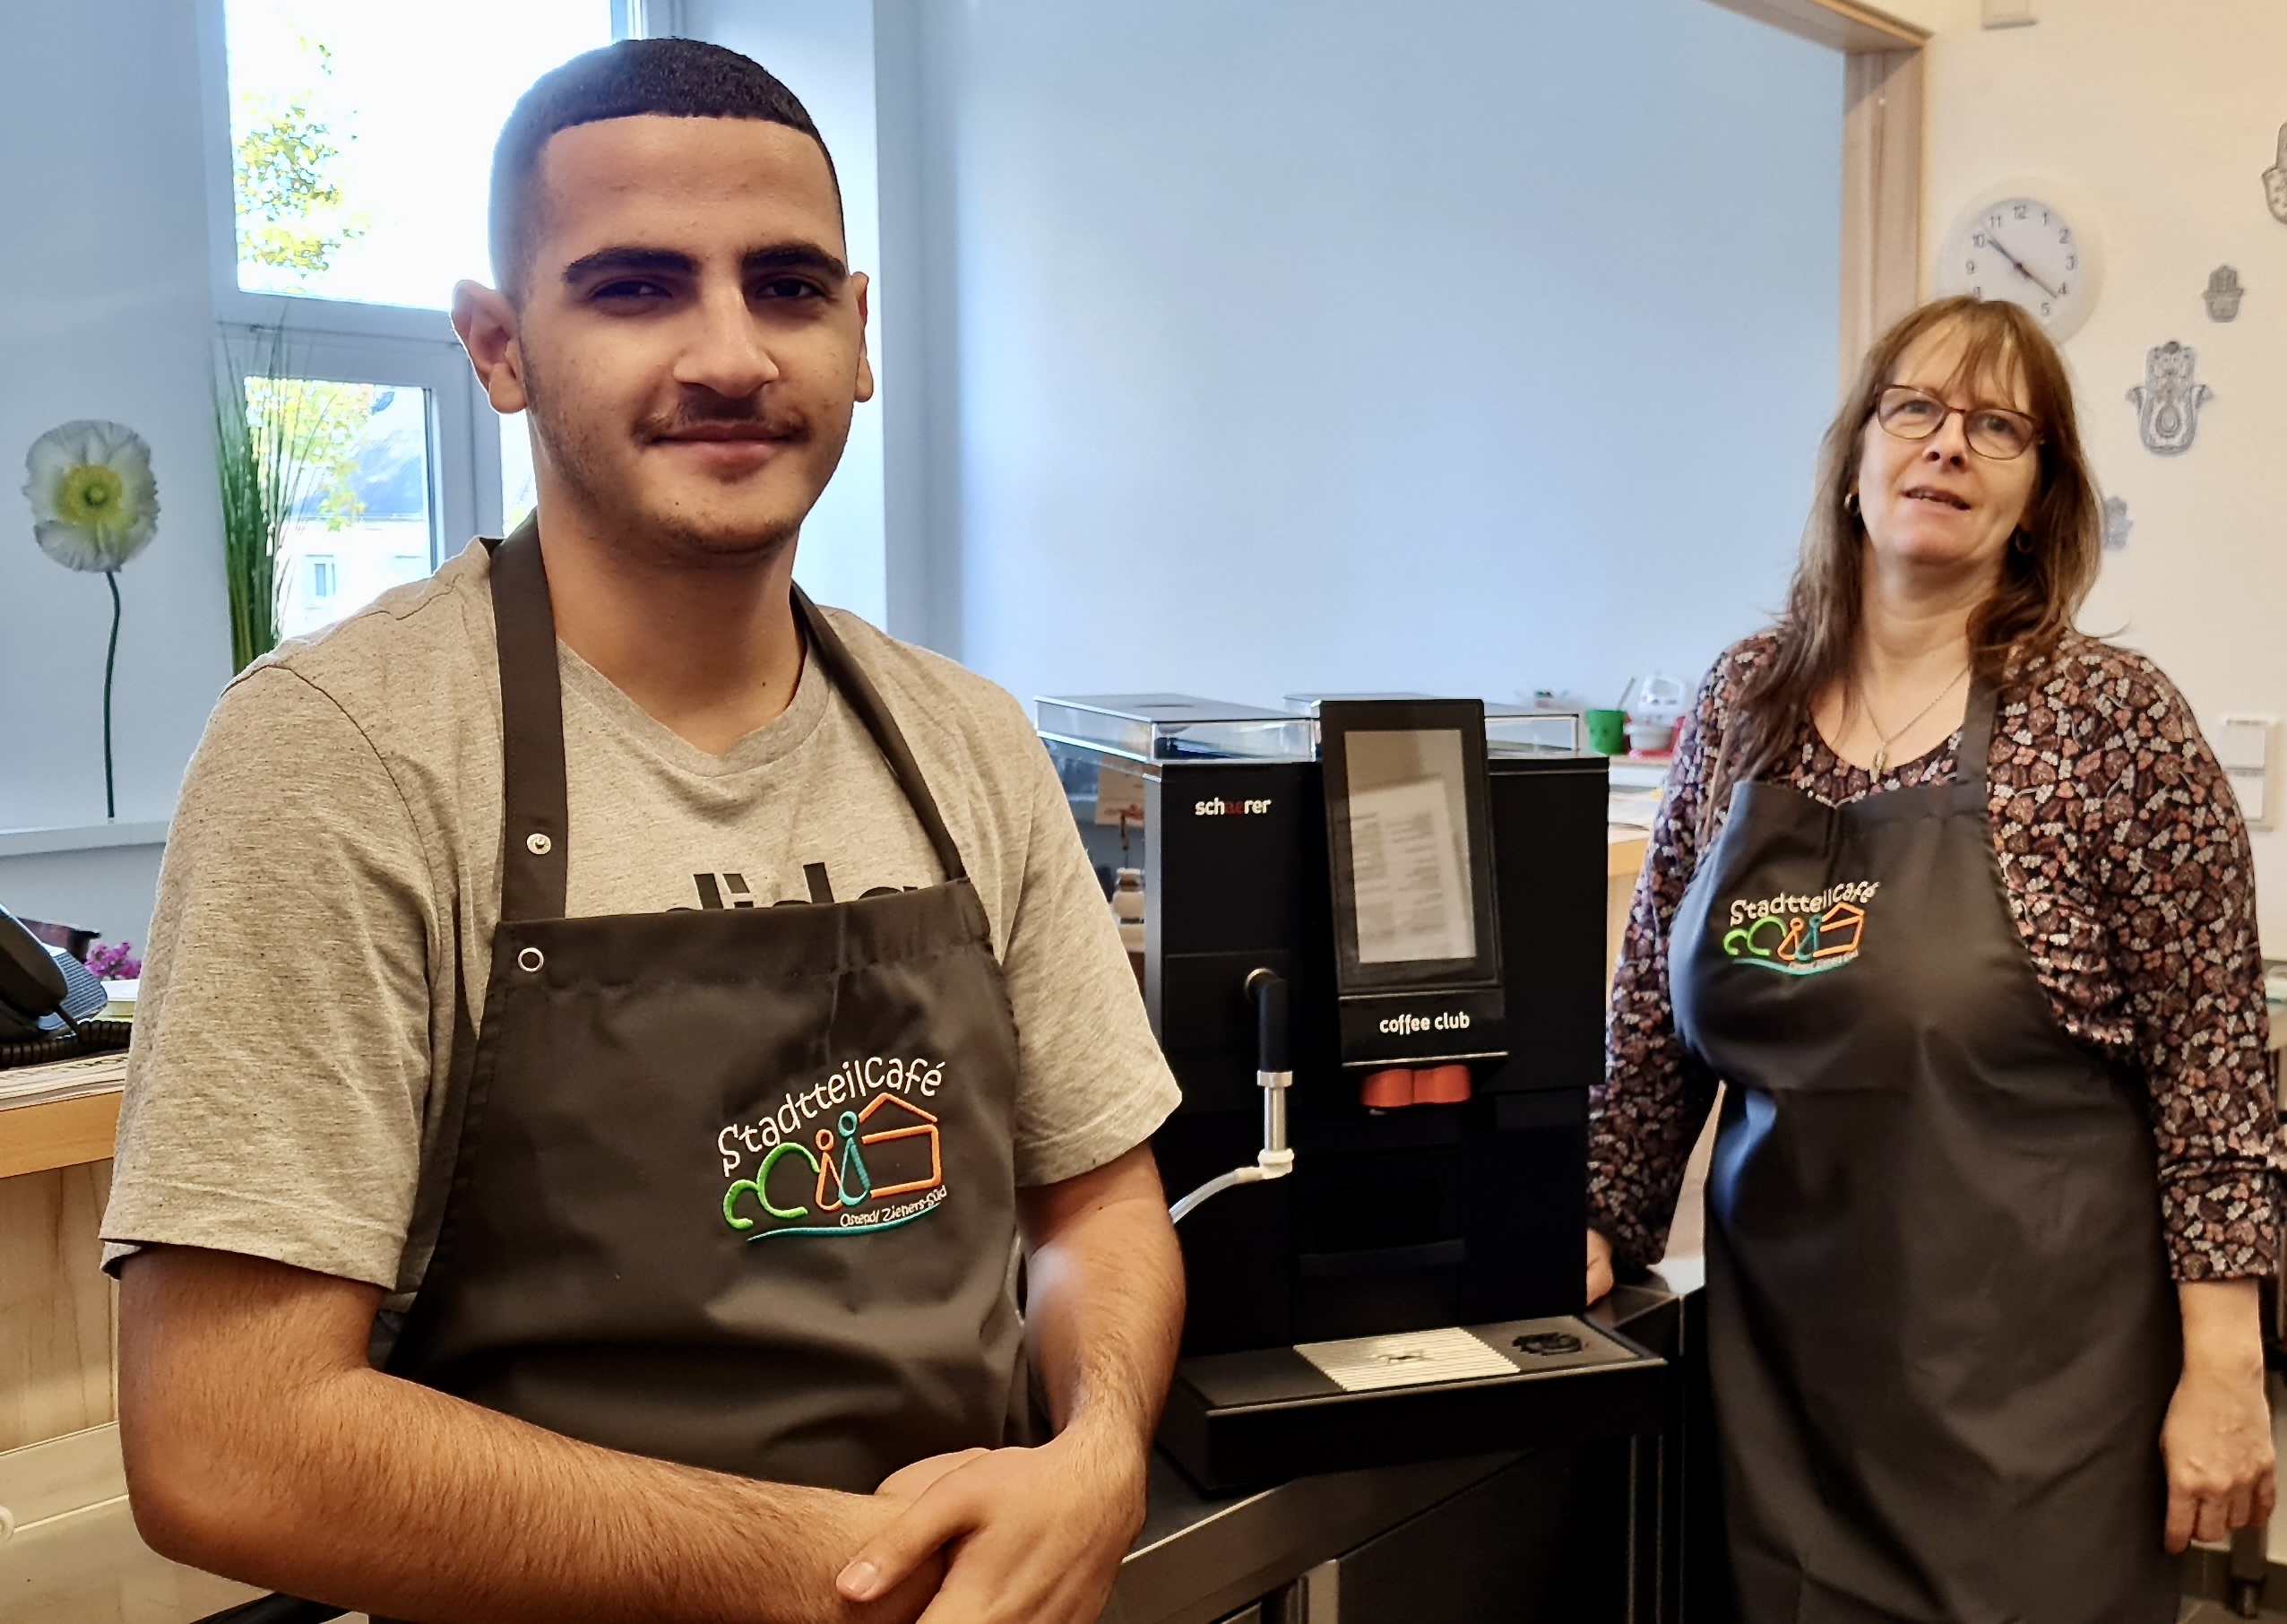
(1942, 1334)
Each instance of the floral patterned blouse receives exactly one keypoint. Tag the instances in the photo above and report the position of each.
(2127, 869)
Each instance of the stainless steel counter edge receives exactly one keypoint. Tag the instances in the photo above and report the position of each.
(1200, 1557)
(1198, 1560)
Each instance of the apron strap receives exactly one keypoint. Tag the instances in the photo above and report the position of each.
(858, 690)
(1977, 734)
(534, 859)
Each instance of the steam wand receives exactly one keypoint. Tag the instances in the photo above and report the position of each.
(1273, 1075)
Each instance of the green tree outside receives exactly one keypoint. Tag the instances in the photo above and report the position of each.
(324, 424)
(291, 212)
(285, 445)
(293, 216)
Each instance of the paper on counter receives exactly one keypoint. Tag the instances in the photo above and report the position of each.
(1411, 1358)
(69, 1079)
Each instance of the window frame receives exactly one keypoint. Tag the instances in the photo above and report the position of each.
(353, 342)
(232, 303)
(461, 504)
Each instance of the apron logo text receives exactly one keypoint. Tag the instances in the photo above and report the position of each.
(851, 1176)
(1802, 935)
(852, 1181)
(852, 1080)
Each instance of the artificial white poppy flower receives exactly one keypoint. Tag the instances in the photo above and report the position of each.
(94, 503)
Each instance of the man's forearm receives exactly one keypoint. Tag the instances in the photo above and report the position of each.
(1104, 1307)
(405, 1502)
(355, 1487)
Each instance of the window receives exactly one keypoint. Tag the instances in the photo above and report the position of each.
(361, 136)
(363, 479)
(348, 180)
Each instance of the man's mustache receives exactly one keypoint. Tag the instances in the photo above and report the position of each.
(731, 419)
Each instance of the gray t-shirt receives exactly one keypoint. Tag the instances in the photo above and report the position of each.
(332, 881)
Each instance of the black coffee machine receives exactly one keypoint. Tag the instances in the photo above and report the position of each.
(1372, 947)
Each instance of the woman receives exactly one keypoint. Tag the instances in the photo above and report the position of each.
(1958, 905)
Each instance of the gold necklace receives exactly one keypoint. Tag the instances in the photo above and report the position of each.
(1882, 750)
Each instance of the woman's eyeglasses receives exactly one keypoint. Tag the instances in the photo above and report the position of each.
(1993, 431)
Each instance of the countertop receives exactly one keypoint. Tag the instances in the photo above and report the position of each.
(1203, 1557)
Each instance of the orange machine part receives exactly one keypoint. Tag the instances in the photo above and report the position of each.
(1391, 1090)
(1441, 1085)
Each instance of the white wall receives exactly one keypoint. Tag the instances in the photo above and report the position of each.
(2164, 119)
(105, 889)
(824, 51)
(1342, 344)
(105, 313)
(1925, 14)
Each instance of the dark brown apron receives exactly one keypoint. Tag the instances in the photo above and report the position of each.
(1942, 1334)
(733, 1187)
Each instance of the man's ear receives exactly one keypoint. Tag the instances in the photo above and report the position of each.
(865, 361)
(487, 324)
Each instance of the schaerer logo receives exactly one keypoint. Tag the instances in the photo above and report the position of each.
(1217, 807)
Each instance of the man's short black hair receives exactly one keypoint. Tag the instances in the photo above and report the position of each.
(674, 78)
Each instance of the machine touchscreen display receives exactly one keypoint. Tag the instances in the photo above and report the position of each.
(1410, 872)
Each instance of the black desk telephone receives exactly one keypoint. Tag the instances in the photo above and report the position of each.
(49, 1000)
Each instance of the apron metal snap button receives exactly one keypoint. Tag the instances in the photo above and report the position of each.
(539, 845)
(531, 958)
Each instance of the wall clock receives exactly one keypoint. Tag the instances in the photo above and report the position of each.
(2028, 244)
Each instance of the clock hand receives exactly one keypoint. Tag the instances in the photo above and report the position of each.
(2020, 265)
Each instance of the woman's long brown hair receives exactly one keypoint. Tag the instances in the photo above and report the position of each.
(2050, 564)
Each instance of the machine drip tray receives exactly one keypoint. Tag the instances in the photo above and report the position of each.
(1237, 1420)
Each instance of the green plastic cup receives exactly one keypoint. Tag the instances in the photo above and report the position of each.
(1608, 733)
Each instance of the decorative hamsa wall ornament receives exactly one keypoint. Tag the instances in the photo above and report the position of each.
(2274, 181)
(2168, 401)
(2222, 295)
(2117, 524)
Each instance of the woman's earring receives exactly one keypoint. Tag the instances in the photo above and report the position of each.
(1850, 503)
(2021, 541)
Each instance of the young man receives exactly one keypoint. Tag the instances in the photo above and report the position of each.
(608, 1025)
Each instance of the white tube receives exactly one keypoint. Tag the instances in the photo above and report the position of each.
(1273, 1161)
(1213, 1187)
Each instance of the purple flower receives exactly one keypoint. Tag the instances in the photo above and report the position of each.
(114, 962)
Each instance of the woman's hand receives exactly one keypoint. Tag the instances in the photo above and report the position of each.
(1600, 1265)
(2217, 1438)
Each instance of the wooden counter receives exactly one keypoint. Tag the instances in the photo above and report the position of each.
(62, 1133)
(1623, 861)
(57, 1313)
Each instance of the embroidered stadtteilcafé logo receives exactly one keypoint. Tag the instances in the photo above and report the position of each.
(1802, 935)
(854, 1154)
